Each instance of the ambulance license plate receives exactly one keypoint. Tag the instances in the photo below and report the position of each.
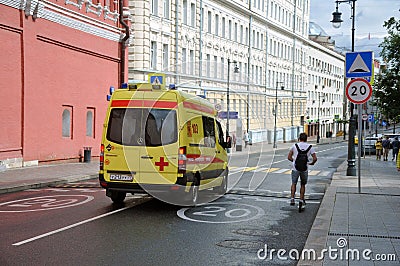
(117, 177)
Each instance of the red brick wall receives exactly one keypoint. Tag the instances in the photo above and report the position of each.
(47, 67)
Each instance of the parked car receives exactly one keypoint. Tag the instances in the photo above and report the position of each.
(369, 145)
(391, 136)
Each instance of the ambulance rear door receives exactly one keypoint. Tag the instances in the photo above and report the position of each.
(159, 155)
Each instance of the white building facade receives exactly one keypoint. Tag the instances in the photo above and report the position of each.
(195, 42)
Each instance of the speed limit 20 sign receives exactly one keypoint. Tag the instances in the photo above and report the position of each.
(358, 91)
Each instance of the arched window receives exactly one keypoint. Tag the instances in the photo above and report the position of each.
(66, 123)
(89, 123)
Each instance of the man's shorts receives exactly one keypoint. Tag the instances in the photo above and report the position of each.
(303, 177)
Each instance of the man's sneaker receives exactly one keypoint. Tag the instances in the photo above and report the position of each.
(292, 202)
(302, 205)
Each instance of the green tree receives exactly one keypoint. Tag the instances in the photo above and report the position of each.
(387, 83)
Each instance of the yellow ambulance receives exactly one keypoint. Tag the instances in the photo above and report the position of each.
(166, 143)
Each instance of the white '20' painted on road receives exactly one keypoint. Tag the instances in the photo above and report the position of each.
(221, 212)
(229, 214)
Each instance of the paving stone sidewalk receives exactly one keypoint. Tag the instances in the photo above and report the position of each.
(359, 228)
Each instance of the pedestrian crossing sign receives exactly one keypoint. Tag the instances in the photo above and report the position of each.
(157, 81)
(359, 64)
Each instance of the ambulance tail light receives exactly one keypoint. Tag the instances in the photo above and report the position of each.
(102, 157)
(182, 160)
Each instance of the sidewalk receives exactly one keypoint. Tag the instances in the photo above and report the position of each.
(349, 221)
(17, 179)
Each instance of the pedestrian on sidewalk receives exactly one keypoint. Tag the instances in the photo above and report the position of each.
(298, 155)
(395, 146)
(234, 139)
(386, 147)
(246, 139)
(379, 148)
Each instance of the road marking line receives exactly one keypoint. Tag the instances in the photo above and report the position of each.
(250, 169)
(313, 172)
(261, 169)
(71, 226)
(324, 173)
(283, 170)
(271, 170)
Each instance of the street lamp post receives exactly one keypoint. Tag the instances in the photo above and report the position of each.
(236, 70)
(276, 109)
(336, 22)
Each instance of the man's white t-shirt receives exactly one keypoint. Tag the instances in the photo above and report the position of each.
(302, 146)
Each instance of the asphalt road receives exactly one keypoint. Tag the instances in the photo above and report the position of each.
(78, 225)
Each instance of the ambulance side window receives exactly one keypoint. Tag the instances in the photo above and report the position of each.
(220, 133)
(209, 131)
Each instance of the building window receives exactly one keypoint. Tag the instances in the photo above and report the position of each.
(193, 15)
(209, 18)
(216, 24)
(208, 66)
(67, 122)
(166, 8)
(230, 30)
(191, 54)
(215, 67)
(165, 57)
(223, 27)
(153, 55)
(247, 36)
(184, 59)
(185, 12)
(154, 7)
(241, 34)
(222, 68)
(235, 32)
(90, 122)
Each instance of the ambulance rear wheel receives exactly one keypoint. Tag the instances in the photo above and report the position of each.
(118, 196)
(221, 190)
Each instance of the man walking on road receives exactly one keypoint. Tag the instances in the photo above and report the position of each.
(299, 154)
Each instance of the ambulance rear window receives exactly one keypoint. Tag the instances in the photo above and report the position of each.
(142, 127)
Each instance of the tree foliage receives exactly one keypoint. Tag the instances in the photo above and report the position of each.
(387, 83)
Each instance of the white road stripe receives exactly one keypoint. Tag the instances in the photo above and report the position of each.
(261, 169)
(281, 171)
(324, 173)
(71, 226)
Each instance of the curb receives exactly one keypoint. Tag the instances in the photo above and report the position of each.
(64, 180)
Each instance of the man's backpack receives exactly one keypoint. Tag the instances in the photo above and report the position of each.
(302, 159)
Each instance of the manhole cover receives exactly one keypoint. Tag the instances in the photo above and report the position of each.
(256, 232)
(241, 244)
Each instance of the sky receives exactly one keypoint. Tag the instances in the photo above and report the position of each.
(370, 16)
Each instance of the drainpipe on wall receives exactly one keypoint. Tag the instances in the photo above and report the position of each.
(176, 41)
(123, 41)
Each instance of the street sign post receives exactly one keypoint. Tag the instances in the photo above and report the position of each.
(364, 117)
(359, 64)
(359, 91)
(157, 81)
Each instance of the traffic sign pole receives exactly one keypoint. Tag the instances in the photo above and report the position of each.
(359, 91)
(360, 144)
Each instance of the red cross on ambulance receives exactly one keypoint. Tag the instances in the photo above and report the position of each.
(161, 164)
